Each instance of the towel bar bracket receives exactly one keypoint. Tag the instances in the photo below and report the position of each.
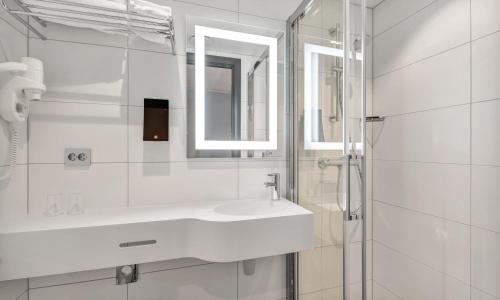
(16, 14)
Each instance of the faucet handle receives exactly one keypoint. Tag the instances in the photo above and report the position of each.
(275, 184)
(275, 176)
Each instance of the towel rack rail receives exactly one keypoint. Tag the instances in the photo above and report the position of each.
(115, 20)
(16, 15)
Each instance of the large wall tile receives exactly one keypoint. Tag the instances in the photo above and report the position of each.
(69, 278)
(480, 295)
(485, 137)
(253, 174)
(158, 76)
(438, 189)
(425, 136)
(437, 28)
(331, 219)
(407, 279)
(208, 282)
(381, 293)
(266, 283)
(14, 192)
(164, 183)
(12, 289)
(485, 17)
(102, 186)
(165, 151)
(432, 83)
(484, 202)
(13, 44)
(59, 32)
(272, 24)
(95, 290)
(310, 266)
(222, 4)
(278, 9)
(391, 12)
(81, 72)
(171, 264)
(57, 126)
(441, 244)
(486, 68)
(331, 267)
(485, 261)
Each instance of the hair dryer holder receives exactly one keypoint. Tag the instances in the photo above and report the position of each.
(19, 84)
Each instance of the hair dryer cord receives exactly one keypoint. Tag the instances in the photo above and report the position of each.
(14, 141)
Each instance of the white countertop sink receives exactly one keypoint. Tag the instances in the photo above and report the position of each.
(225, 231)
(251, 208)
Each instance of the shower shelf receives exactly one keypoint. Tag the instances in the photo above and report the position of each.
(216, 231)
(85, 15)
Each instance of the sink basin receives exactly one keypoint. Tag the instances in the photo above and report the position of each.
(251, 208)
(215, 231)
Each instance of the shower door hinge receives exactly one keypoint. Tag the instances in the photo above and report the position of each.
(354, 217)
(127, 274)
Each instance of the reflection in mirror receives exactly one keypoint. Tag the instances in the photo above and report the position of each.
(233, 112)
(223, 109)
(323, 98)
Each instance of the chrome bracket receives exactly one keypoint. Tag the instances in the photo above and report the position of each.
(354, 217)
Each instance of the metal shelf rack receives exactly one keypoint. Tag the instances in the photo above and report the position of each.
(113, 20)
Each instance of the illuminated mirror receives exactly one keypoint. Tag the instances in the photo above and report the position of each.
(323, 98)
(228, 64)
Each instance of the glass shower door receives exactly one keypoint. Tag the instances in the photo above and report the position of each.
(327, 177)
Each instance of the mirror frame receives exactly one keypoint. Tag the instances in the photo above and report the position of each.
(201, 32)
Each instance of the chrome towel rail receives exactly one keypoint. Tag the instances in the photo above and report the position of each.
(112, 20)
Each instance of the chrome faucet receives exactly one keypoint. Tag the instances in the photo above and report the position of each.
(275, 184)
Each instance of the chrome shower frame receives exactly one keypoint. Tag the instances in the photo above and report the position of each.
(293, 140)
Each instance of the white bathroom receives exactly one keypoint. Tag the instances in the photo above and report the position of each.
(249, 149)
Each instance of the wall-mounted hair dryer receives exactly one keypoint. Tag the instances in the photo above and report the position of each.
(19, 84)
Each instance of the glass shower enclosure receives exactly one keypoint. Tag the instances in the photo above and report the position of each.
(326, 68)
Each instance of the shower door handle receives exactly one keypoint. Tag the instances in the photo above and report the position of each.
(348, 214)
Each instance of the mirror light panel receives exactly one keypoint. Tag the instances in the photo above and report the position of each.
(311, 95)
(201, 32)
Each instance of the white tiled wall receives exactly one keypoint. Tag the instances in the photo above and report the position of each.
(96, 85)
(13, 194)
(436, 158)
